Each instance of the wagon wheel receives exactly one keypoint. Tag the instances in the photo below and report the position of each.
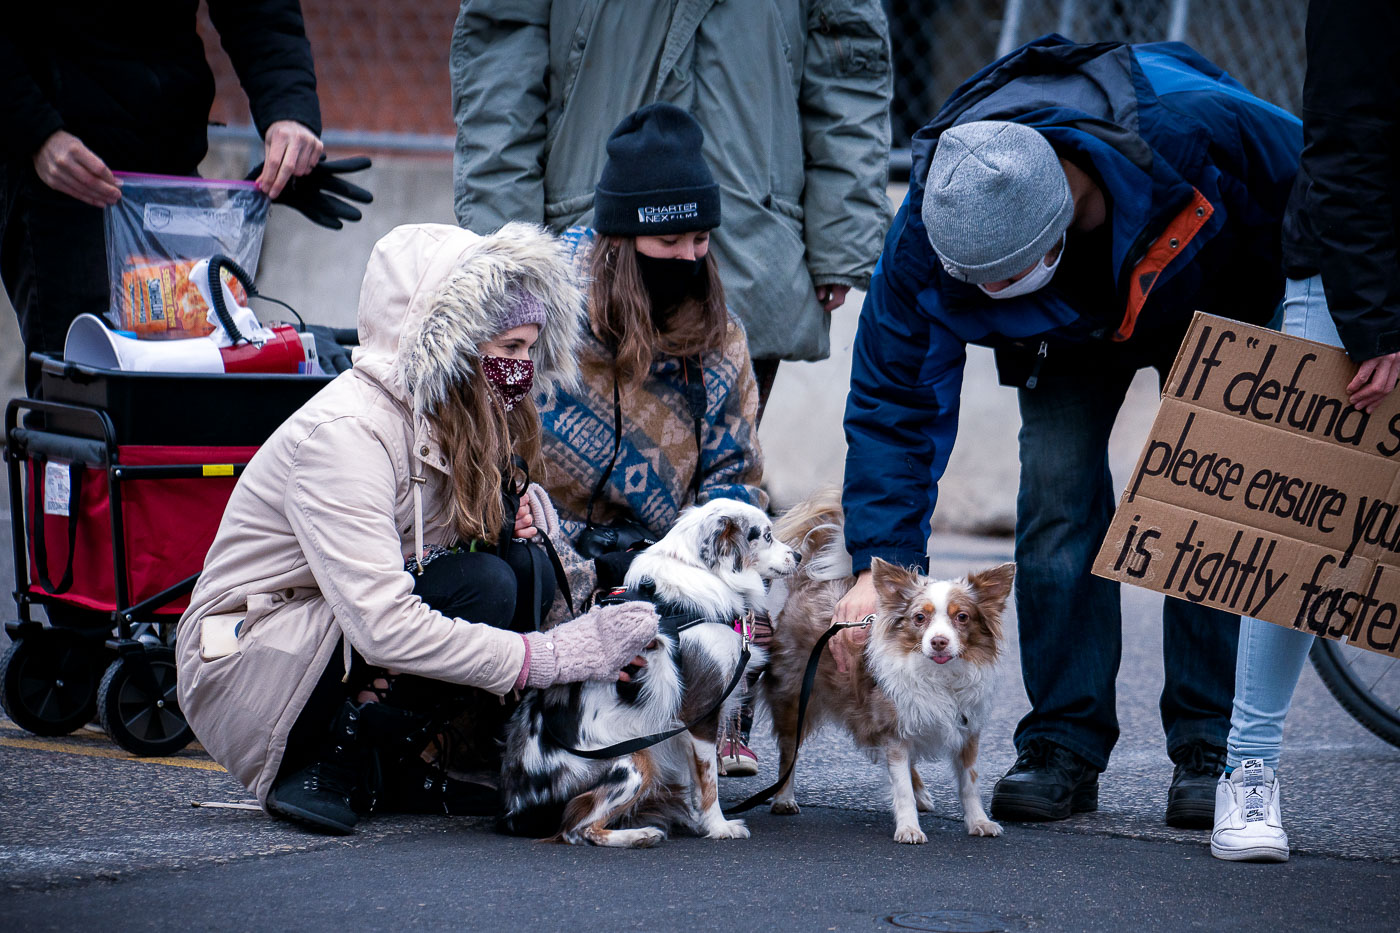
(48, 681)
(138, 704)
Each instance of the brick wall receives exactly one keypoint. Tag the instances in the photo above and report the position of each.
(381, 65)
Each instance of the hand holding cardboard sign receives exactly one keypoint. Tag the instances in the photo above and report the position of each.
(1374, 381)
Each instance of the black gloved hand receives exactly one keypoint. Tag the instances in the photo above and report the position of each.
(333, 347)
(318, 193)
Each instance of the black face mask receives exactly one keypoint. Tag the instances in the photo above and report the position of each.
(670, 281)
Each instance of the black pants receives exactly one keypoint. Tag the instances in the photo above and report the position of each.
(478, 587)
(52, 259)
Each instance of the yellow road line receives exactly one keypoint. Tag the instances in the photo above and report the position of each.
(74, 748)
(86, 734)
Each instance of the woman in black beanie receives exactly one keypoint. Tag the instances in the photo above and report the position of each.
(666, 413)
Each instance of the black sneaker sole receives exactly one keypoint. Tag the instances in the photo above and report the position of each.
(1025, 808)
(307, 817)
(1191, 814)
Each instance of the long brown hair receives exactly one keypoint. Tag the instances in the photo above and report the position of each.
(478, 438)
(620, 312)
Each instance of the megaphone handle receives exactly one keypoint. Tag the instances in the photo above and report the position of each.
(216, 292)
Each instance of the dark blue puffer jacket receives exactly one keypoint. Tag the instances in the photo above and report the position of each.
(1196, 173)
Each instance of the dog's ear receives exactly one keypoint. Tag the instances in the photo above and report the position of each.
(992, 587)
(894, 585)
(727, 539)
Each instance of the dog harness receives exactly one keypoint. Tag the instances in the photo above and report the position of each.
(672, 623)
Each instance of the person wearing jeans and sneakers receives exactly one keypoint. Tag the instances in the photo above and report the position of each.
(1071, 207)
(374, 561)
(1342, 255)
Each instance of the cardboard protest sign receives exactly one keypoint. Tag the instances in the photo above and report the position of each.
(1262, 491)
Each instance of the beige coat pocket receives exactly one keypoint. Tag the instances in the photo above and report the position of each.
(218, 635)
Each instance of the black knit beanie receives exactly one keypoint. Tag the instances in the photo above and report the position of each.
(655, 180)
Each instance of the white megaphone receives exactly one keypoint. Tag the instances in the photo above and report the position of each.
(260, 350)
(92, 343)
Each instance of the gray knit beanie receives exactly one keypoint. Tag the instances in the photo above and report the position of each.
(995, 201)
(520, 307)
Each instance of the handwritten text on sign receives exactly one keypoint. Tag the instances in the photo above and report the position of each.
(1262, 491)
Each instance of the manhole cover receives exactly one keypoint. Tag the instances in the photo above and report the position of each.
(952, 921)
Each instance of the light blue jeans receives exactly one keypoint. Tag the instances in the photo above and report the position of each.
(1270, 656)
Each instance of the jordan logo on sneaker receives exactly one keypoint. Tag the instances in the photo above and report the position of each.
(1253, 805)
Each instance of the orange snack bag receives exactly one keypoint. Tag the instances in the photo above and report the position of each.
(159, 300)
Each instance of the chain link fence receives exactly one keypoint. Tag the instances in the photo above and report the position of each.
(381, 65)
(937, 44)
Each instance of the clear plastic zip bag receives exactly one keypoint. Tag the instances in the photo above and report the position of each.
(156, 233)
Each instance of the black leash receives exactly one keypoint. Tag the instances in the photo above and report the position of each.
(809, 677)
(512, 499)
(628, 746)
(618, 749)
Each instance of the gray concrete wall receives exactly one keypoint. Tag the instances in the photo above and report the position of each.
(319, 271)
(805, 447)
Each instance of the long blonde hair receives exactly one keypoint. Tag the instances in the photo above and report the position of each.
(620, 312)
(478, 437)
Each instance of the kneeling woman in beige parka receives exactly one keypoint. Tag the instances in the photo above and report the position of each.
(374, 557)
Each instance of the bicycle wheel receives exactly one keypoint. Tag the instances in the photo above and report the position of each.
(1365, 683)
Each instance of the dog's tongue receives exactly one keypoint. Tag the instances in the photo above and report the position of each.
(942, 658)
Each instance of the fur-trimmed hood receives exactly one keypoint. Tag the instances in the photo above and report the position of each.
(433, 292)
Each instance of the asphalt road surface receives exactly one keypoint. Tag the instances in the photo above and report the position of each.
(93, 839)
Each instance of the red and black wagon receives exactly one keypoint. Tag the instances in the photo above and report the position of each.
(118, 482)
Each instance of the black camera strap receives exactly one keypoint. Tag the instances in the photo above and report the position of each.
(617, 446)
(696, 401)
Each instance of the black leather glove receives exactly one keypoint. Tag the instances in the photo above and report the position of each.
(333, 347)
(318, 193)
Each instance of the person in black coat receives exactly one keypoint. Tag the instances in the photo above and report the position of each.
(1341, 252)
(87, 87)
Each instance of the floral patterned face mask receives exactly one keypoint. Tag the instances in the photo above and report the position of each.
(510, 378)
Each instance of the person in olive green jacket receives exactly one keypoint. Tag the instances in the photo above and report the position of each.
(793, 96)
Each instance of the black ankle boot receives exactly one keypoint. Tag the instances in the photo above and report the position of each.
(326, 794)
(1191, 797)
(415, 786)
(1047, 782)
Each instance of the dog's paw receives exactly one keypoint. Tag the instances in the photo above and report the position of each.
(910, 835)
(924, 802)
(785, 808)
(643, 838)
(729, 829)
(983, 827)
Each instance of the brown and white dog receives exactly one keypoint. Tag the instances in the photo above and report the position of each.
(708, 572)
(922, 687)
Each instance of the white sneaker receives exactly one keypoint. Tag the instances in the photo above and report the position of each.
(1248, 824)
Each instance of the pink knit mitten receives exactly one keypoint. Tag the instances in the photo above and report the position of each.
(542, 511)
(595, 646)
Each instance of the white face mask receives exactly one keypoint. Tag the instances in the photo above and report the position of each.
(1035, 279)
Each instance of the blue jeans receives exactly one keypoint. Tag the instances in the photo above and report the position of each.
(1070, 621)
(1271, 657)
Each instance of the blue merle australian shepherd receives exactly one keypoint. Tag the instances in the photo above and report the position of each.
(709, 572)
